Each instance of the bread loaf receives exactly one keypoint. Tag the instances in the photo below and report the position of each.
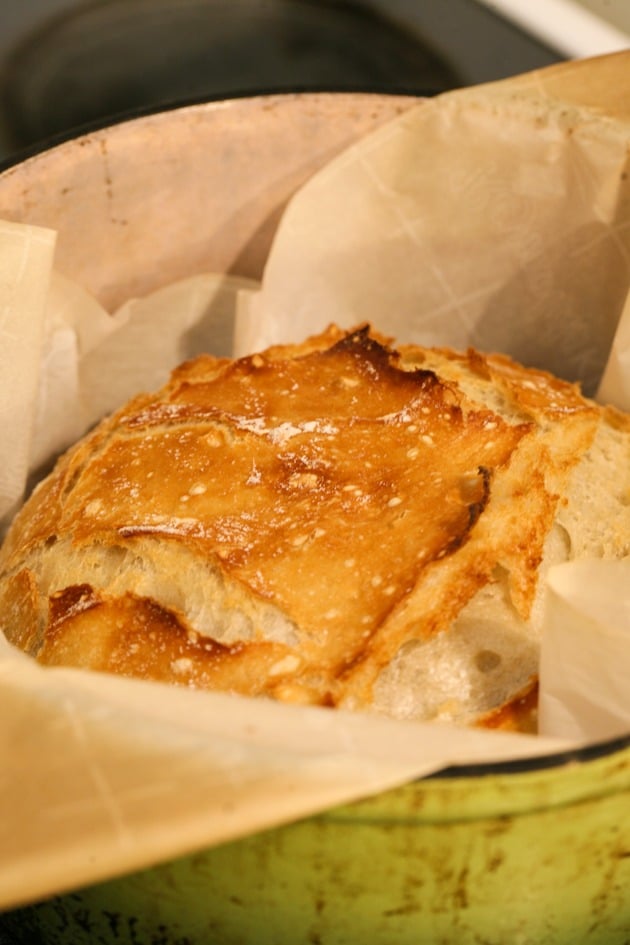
(339, 522)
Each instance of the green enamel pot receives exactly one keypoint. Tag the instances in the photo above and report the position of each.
(530, 852)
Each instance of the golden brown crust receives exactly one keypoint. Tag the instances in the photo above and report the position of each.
(362, 494)
(519, 714)
(21, 603)
(135, 636)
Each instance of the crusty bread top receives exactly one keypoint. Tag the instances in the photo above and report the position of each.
(286, 524)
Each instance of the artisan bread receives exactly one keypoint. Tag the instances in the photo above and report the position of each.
(339, 522)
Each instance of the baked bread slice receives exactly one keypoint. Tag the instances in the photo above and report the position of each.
(337, 522)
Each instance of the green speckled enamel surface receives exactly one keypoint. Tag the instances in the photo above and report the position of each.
(534, 858)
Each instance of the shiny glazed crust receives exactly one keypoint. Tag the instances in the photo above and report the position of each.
(309, 522)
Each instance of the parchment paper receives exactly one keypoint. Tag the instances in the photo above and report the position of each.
(587, 639)
(26, 255)
(497, 216)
